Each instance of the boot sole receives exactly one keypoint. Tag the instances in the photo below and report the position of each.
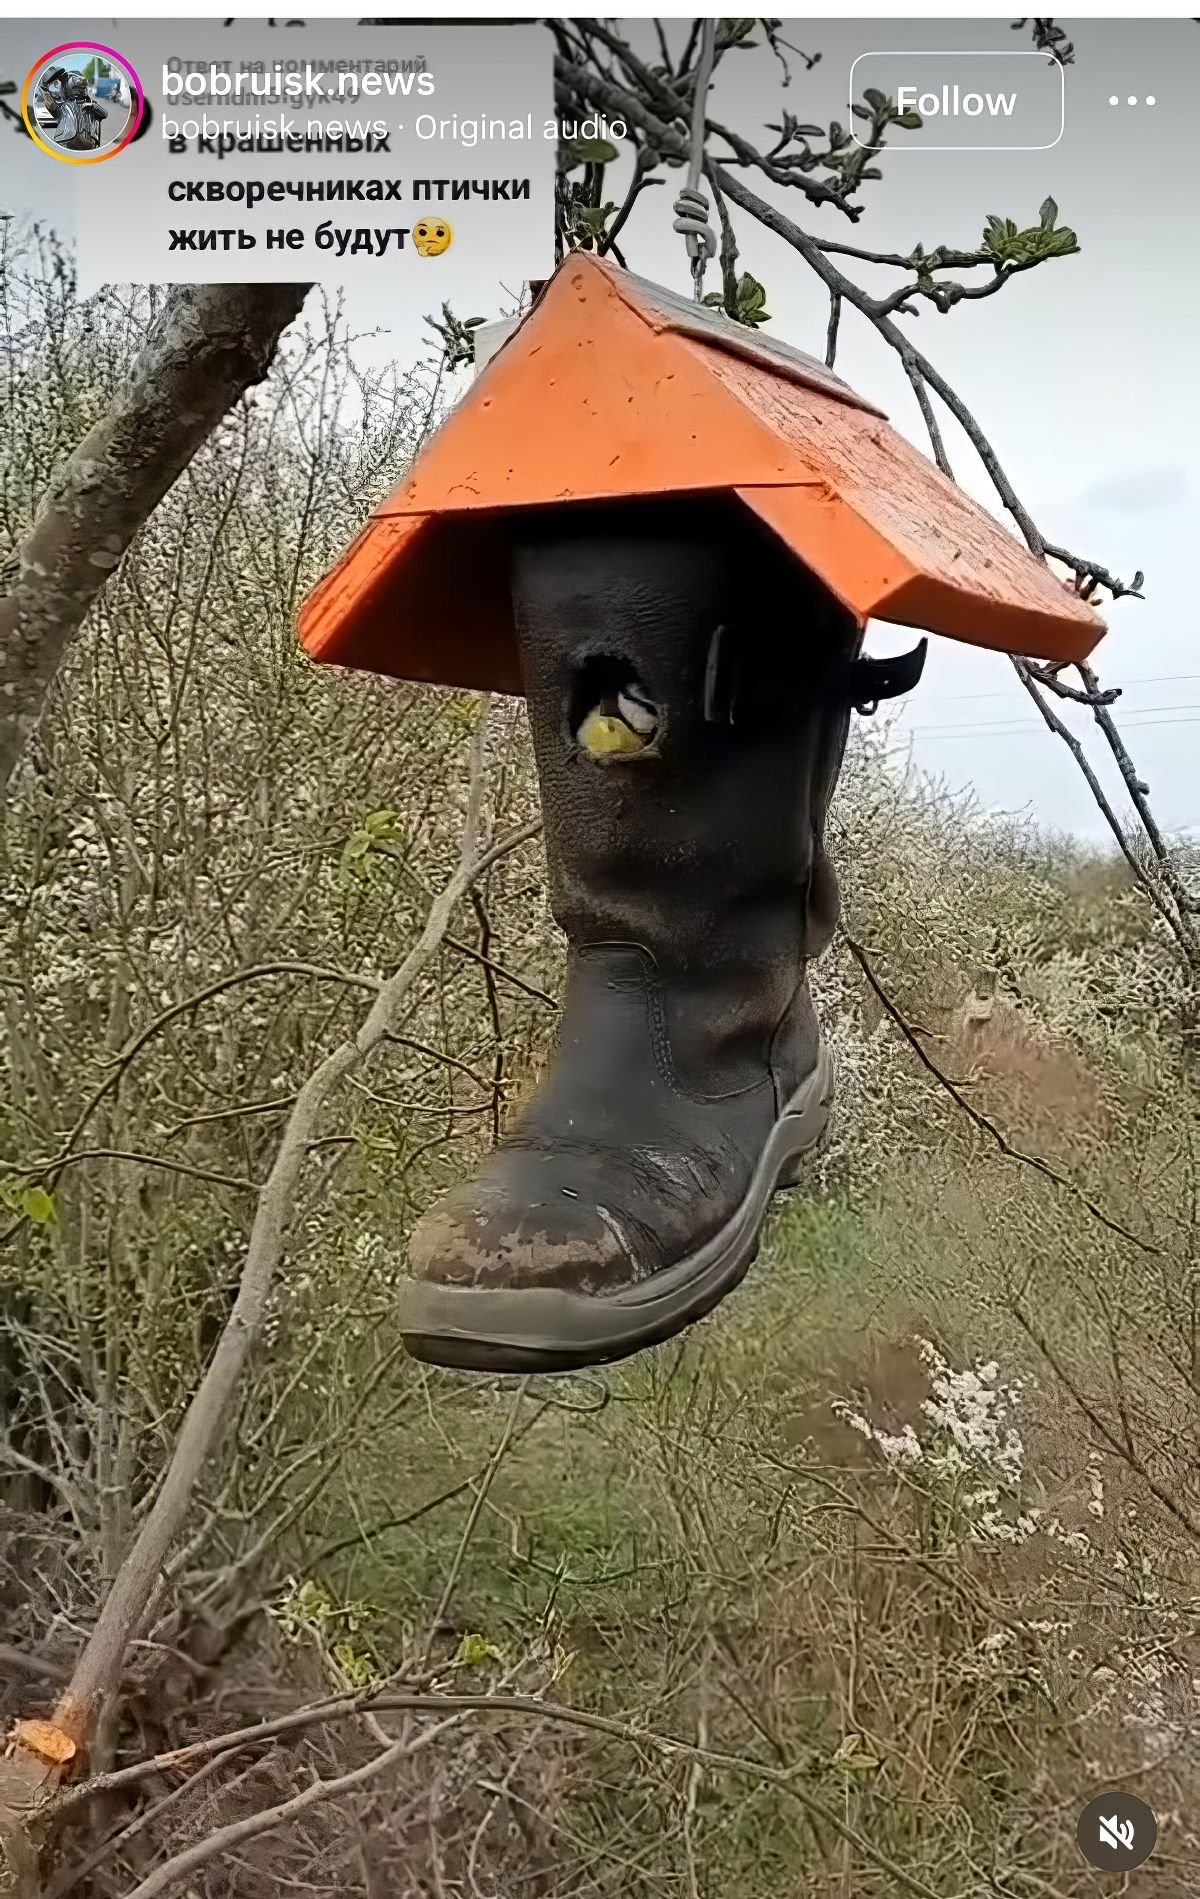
(547, 1329)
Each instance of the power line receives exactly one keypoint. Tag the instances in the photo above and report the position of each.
(1138, 714)
(940, 734)
(1004, 692)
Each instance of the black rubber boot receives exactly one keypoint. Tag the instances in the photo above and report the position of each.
(691, 880)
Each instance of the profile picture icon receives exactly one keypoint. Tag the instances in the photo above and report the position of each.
(82, 102)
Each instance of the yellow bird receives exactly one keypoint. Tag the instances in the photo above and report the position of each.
(624, 721)
(603, 733)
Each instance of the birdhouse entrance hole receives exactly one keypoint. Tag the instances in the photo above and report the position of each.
(599, 676)
(609, 714)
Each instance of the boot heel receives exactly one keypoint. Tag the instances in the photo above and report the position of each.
(797, 1170)
(800, 1166)
(811, 1120)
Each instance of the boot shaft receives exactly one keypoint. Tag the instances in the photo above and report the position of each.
(707, 846)
(688, 871)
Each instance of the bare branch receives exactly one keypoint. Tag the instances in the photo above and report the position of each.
(36, 1665)
(137, 1042)
(454, 1706)
(255, 1824)
(981, 1120)
(204, 1424)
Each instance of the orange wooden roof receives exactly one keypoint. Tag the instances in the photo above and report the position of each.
(614, 389)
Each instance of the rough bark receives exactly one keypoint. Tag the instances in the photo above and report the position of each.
(210, 344)
(24, 1781)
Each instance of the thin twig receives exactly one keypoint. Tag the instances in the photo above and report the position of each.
(37, 1665)
(931, 422)
(256, 1824)
(981, 1120)
(368, 1536)
(831, 328)
(137, 1042)
(475, 1512)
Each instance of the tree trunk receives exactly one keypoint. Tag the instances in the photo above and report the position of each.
(23, 1782)
(210, 344)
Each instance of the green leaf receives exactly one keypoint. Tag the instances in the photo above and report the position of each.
(853, 1758)
(1008, 245)
(1002, 238)
(593, 151)
(355, 859)
(354, 1664)
(593, 218)
(475, 1651)
(874, 97)
(1061, 243)
(751, 298)
(733, 33)
(911, 121)
(37, 1205)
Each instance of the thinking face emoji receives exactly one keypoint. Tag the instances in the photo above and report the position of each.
(432, 236)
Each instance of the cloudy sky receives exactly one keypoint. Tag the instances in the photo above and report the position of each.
(1082, 372)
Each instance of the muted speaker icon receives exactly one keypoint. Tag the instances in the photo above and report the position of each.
(1116, 1832)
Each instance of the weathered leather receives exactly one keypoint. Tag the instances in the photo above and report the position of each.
(692, 884)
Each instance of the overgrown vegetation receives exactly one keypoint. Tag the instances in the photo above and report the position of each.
(902, 1548)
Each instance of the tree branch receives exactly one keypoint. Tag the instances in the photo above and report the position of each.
(98, 1668)
(211, 343)
(600, 92)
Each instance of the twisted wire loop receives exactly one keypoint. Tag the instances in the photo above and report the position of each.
(691, 221)
(691, 206)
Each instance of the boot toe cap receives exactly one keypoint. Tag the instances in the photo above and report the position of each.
(515, 1247)
(496, 1235)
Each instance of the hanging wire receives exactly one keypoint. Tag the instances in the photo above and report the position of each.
(691, 206)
